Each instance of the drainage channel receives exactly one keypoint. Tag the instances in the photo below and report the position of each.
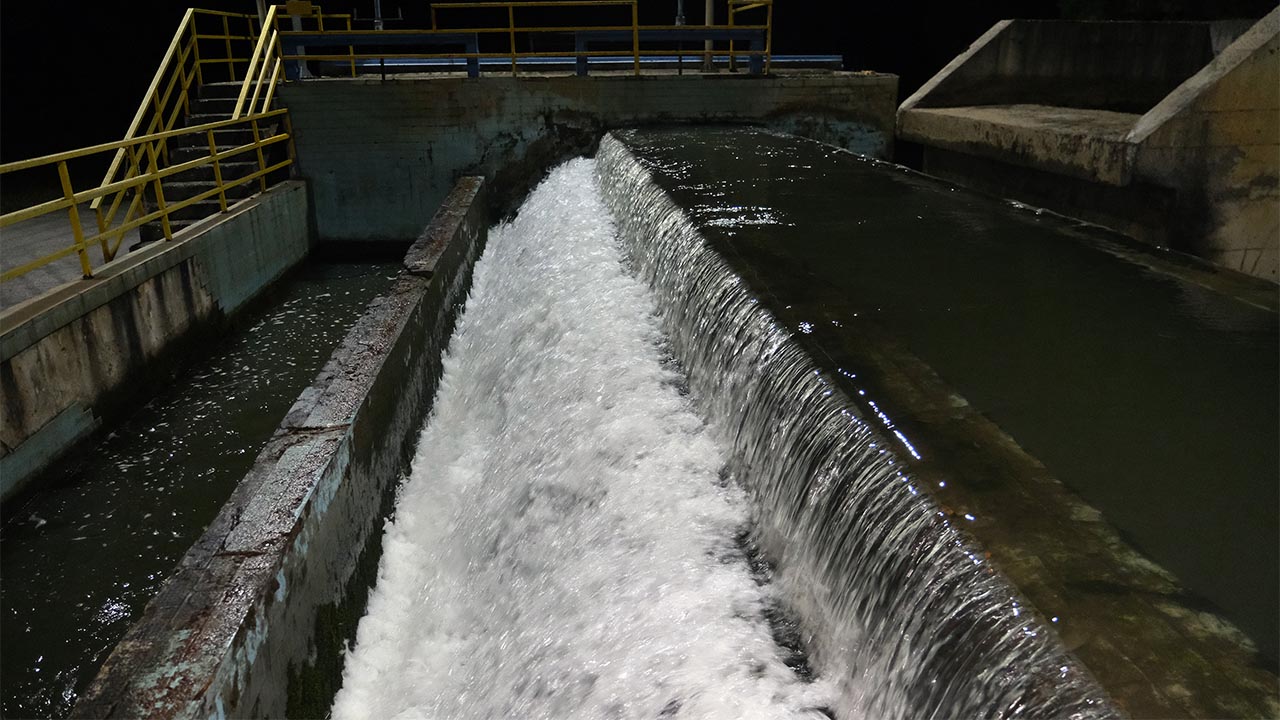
(83, 556)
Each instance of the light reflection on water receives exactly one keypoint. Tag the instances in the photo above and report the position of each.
(81, 558)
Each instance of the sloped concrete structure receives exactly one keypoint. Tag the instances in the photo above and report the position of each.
(1168, 132)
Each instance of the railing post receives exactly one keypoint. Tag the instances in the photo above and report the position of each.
(768, 38)
(733, 59)
(74, 211)
(195, 49)
(217, 170)
(226, 39)
(511, 29)
(351, 49)
(182, 81)
(293, 151)
(635, 34)
(158, 188)
(262, 160)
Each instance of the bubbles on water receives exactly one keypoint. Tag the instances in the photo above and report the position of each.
(566, 543)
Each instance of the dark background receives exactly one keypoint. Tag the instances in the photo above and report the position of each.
(72, 73)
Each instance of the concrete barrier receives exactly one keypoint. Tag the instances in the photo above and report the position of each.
(380, 155)
(1168, 132)
(255, 619)
(71, 357)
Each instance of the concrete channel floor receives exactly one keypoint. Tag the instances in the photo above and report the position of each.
(41, 236)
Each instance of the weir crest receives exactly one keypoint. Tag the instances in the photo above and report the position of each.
(897, 604)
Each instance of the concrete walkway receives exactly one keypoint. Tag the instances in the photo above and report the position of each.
(41, 236)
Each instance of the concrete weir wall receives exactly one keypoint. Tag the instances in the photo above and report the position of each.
(68, 357)
(254, 620)
(381, 155)
(1168, 132)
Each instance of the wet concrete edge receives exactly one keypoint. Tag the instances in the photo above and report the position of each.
(240, 619)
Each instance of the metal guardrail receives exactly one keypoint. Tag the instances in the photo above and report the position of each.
(143, 149)
(212, 45)
(168, 97)
(631, 33)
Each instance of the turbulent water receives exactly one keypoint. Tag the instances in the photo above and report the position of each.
(589, 532)
(567, 544)
(900, 609)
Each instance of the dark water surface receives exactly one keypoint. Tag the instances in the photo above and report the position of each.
(1152, 397)
(80, 559)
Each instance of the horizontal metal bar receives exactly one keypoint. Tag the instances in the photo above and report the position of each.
(136, 181)
(118, 144)
(569, 56)
(530, 3)
(223, 13)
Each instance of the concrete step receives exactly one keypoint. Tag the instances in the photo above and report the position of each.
(154, 231)
(224, 139)
(214, 105)
(175, 191)
(230, 171)
(220, 90)
(196, 211)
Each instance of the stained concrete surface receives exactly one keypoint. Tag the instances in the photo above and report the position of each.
(250, 624)
(31, 239)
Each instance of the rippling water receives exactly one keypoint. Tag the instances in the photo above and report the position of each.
(567, 544)
(81, 558)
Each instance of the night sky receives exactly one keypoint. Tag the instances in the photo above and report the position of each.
(71, 74)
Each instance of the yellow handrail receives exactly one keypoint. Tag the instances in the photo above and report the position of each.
(511, 29)
(265, 40)
(183, 28)
(153, 177)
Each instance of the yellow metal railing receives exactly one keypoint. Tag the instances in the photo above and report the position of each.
(512, 30)
(144, 153)
(208, 46)
(741, 6)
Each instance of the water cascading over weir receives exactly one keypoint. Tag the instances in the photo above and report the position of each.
(896, 601)
(542, 562)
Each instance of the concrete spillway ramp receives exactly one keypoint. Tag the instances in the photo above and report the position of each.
(1167, 132)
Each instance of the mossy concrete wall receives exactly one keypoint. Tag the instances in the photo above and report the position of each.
(381, 155)
(69, 358)
(255, 620)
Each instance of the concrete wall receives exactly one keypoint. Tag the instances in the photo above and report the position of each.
(1216, 140)
(254, 621)
(1119, 66)
(71, 356)
(1197, 171)
(380, 156)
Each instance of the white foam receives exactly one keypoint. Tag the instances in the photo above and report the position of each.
(559, 549)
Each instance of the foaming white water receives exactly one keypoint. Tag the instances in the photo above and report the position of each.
(564, 546)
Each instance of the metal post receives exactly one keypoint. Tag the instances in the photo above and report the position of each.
(511, 28)
(709, 18)
(262, 161)
(226, 37)
(159, 190)
(74, 211)
(217, 171)
(679, 43)
(195, 50)
(635, 34)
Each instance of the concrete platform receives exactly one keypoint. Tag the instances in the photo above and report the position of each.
(26, 241)
(1080, 142)
(1167, 132)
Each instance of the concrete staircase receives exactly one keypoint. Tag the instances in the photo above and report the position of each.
(216, 102)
